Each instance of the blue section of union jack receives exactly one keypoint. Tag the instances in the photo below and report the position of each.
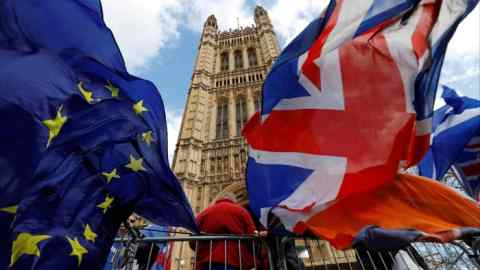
(347, 103)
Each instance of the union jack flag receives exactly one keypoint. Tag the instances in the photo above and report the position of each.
(455, 141)
(348, 103)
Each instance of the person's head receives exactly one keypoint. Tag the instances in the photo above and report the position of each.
(229, 196)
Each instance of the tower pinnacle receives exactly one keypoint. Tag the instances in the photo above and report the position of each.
(211, 21)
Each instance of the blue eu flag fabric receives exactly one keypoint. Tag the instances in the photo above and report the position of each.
(456, 132)
(83, 143)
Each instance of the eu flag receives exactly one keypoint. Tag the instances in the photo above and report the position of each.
(83, 143)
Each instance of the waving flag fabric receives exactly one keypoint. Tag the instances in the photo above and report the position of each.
(467, 167)
(347, 104)
(160, 260)
(456, 141)
(83, 143)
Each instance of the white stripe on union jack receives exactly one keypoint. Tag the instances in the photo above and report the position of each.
(457, 119)
(331, 96)
(349, 19)
(329, 169)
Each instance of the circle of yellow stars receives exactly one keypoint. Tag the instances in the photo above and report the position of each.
(26, 243)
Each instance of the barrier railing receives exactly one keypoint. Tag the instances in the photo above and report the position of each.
(250, 252)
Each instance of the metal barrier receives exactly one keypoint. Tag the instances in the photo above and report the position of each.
(250, 252)
(202, 250)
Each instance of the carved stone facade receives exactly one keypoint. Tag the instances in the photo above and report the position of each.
(225, 92)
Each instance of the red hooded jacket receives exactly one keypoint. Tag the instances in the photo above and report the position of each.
(225, 217)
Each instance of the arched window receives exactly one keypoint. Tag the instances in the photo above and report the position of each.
(238, 60)
(241, 114)
(252, 57)
(219, 165)
(224, 65)
(243, 157)
(222, 120)
(236, 163)
(226, 165)
(258, 103)
(212, 165)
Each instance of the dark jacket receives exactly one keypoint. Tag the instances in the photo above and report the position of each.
(225, 217)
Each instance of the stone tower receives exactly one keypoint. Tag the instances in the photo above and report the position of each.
(225, 92)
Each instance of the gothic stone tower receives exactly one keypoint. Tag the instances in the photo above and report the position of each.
(225, 91)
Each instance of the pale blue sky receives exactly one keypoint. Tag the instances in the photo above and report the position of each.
(159, 40)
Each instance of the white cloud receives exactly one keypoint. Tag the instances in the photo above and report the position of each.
(174, 121)
(289, 18)
(142, 28)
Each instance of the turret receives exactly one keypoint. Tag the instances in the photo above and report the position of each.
(208, 42)
(267, 36)
(261, 18)
(211, 22)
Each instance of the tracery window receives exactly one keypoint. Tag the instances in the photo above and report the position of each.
(252, 57)
(224, 64)
(212, 165)
(243, 158)
(258, 103)
(222, 120)
(238, 60)
(219, 165)
(226, 166)
(202, 167)
(236, 163)
(241, 114)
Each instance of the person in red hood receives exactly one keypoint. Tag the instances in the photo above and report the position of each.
(225, 217)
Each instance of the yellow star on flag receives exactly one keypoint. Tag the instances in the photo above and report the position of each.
(89, 234)
(77, 249)
(10, 209)
(106, 204)
(55, 125)
(135, 165)
(147, 137)
(85, 93)
(109, 176)
(113, 90)
(26, 244)
(139, 108)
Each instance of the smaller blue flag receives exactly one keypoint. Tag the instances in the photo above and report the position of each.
(456, 133)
